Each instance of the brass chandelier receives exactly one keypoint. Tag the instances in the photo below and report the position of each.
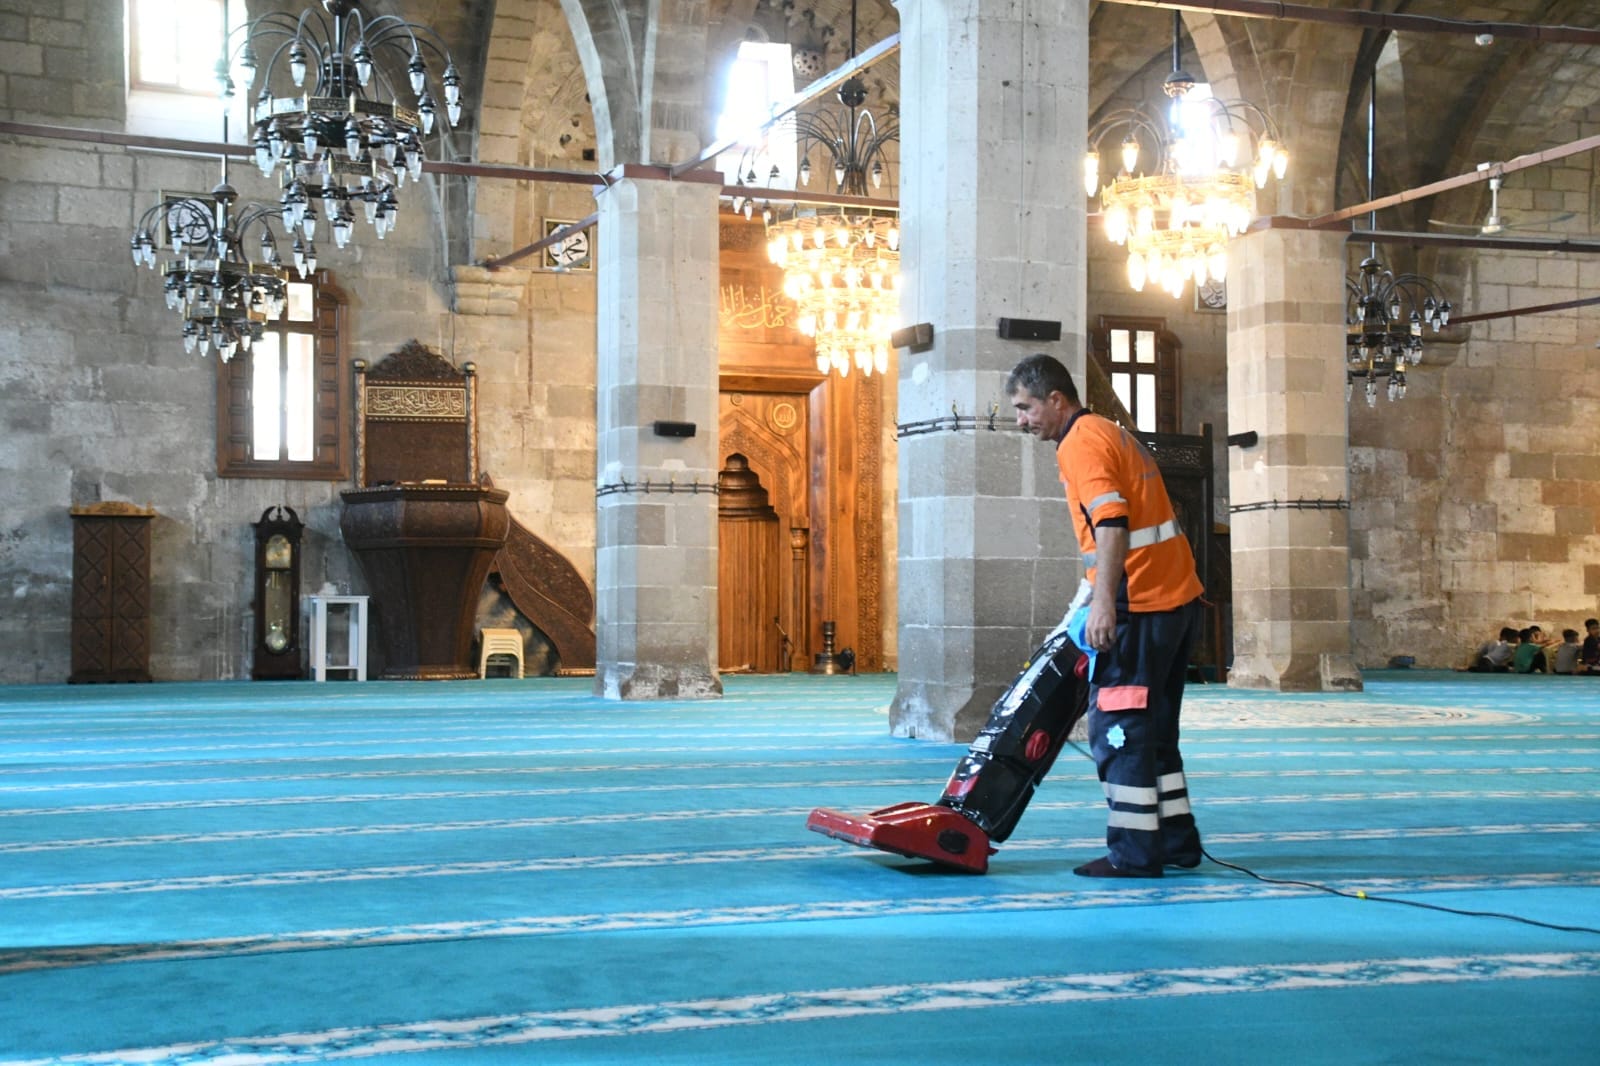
(1176, 218)
(841, 265)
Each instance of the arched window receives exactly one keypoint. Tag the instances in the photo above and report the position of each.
(761, 76)
(283, 408)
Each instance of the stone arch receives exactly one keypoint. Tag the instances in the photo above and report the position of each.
(645, 66)
(611, 37)
(1297, 73)
(534, 112)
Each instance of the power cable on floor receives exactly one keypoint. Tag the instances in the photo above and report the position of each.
(1358, 894)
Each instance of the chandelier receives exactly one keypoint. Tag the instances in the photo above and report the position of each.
(841, 265)
(1385, 314)
(345, 138)
(1176, 219)
(223, 298)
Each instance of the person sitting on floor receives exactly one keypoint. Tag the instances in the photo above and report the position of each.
(1566, 657)
(1589, 654)
(1495, 656)
(1529, 655)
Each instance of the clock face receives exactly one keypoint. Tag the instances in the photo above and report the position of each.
(278, 554)
(573, 253)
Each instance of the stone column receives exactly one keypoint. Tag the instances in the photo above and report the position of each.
(1289, 492)
(656, 507)
(993, 126)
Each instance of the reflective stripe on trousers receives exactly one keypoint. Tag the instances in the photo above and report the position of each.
(1148, 822)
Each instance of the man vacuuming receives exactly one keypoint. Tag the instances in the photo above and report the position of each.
(1121, 652)
(1142, 618)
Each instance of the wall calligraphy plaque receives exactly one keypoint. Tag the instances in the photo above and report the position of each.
(416, 403)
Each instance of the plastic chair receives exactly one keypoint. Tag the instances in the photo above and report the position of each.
(499, 642)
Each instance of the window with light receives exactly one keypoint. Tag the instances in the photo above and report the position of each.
(762, 76)
(174, 45)
(172, 49)
(284, 406)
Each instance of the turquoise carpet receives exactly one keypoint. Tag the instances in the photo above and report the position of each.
(515, 871)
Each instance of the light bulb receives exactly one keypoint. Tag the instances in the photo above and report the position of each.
(1130, 154)
(363, 59)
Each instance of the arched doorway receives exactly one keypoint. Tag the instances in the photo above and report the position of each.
(750, 634)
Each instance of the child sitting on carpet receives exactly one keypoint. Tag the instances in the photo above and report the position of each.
(1589, 655)
(1566, 657)
(1529, 655)
(1495, 656)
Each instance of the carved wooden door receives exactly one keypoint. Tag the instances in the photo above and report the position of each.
(110, 594)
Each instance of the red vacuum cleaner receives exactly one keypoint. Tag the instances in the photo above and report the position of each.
(994, 781)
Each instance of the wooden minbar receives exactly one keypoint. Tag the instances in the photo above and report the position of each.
(423, 529)
(426, 550)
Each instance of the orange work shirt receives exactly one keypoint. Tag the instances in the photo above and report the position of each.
(1109, 474)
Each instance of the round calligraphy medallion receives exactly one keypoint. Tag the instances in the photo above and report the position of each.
(784, 417)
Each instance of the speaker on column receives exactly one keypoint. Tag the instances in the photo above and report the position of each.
(1029, 329)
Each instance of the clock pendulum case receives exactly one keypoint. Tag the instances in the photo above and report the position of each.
(276, 655)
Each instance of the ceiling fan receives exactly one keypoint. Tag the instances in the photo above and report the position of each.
(1496, 224)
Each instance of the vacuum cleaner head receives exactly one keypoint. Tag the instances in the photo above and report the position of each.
(916, 830)
(994, 780)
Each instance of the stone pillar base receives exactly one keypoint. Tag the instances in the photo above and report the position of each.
(631, 681)
(1307, 672)
(945, 714)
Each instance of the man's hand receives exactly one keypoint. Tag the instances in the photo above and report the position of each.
(1101, 629)
(1111, 547)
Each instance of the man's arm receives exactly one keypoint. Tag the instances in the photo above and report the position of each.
(1111, 552)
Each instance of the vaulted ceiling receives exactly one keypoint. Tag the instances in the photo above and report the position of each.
(1445, 103)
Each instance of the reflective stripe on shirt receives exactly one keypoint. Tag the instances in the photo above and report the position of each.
(1143, 538)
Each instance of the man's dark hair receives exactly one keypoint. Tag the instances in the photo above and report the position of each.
(1040, 375)
(1569, 635)
(1525, 635)
(1587, 622)
(1508, 634)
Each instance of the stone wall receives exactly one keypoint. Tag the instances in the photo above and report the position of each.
(1476, 499)
(99, 401)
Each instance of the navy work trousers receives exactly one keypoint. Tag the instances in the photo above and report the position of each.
(1135, 698)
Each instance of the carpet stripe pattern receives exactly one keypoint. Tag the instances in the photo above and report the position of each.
(516, 871)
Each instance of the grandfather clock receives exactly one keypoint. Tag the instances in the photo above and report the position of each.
(276, 654)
